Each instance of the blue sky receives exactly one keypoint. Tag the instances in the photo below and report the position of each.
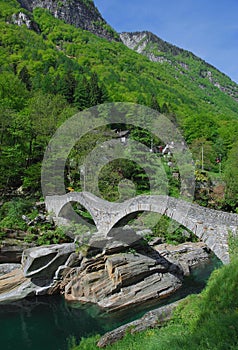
(208, 28)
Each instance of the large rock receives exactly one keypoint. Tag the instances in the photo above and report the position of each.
(110, 273)
(82, 14)
(6, 268)
(151, 319)
(187, 255)
(44, 261)
(122, 280)
(14, 286)
(41, 268)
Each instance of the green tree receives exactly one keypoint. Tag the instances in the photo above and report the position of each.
(165, 108)
(95, 92)
(13, 92)
(204, 154)
(231, 178)
(81, 93)
(25, 77)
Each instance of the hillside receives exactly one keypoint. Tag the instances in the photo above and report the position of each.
(158, 50)
(51, 69)
(82, 14)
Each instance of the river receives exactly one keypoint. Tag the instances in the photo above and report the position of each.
(49, 322)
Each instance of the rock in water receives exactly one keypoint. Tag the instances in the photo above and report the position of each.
(187, 255)
(37, 273)
(118, 281)
(6, 268)
(14, 285)
(115, 276)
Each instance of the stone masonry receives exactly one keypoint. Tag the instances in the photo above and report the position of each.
(209, 225)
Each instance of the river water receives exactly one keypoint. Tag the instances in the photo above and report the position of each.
(49, 322)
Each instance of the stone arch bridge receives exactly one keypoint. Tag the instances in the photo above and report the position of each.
(210, 226)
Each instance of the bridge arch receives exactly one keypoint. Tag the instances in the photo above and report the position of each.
(77, 213)
(210, 226)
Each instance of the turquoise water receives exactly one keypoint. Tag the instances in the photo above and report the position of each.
(48, 323)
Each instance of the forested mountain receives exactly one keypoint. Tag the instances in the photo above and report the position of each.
(50, 69)
(158, 50)
(82, 14)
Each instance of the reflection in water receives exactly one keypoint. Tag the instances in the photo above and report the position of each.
(44, 323)
(48, 322)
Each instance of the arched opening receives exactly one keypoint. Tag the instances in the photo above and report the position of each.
(152, 226)
(126, 220)
(76, 213)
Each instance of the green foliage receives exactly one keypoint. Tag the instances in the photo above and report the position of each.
(11, 218)
(107, 28)
(71, 342)
(205, 154)
(11, 214)
(31, 179)
(87, 344)
(231, 178)
(132, 251)
(8, 8)
(25, 135)
(13, 92)
(171, 232)
(233, 246)
(45, 235)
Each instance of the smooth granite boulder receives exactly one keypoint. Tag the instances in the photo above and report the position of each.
(44, 261)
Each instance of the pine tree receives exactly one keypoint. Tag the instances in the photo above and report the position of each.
(81, 94)
(95, 92)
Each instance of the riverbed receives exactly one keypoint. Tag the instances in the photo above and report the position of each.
(50, 323)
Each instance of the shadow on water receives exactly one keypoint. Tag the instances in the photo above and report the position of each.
(48, 322)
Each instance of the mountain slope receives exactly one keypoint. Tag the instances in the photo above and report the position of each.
(161, 51)
(80, 13)
(50, 73)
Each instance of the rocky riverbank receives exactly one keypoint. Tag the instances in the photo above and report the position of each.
(119, 280)
(112, 274)
(151, 319)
